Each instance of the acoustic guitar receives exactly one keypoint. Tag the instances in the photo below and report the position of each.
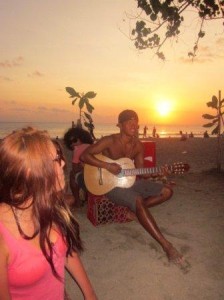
(99, 181)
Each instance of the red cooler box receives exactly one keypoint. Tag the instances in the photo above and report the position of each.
(149, 154)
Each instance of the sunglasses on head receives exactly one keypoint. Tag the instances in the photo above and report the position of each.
(59, 154)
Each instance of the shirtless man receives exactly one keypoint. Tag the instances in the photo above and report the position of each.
(144, 193)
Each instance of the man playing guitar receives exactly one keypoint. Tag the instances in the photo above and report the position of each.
(143, 194)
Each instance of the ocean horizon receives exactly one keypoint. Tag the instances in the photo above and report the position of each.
(57, 129)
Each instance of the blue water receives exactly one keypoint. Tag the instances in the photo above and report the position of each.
(56, 129)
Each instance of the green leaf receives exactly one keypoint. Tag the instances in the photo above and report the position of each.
(191, 54)
(87, 124)
(213, 103)
(209, 117)
(72, 92)
(215, 130)
(73, 102)
(201, 34)
(89, 107)
(88, 117)
(140, 25)
(82, 102)
(90, 95)
(208, 125)
(153, 17)
(160, 55)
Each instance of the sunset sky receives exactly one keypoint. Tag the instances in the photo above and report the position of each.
(47, 45)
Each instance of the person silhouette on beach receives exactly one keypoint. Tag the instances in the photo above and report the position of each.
(206, 135)
(145, 132)
(183, 137)
(154, 132)
(144, 193)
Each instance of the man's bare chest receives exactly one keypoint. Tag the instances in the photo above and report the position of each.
(119, 151)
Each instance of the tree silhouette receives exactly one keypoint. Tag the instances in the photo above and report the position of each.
(216, 121)
(83, 103)
(159, 21)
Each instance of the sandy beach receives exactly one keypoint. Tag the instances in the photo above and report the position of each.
(124, 262)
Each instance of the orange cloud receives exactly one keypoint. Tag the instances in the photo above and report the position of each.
(18, 61)
(36, 74)
(220, 41)
(3, 78)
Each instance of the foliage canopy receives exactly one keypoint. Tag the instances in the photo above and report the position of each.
(83, 103)
(162, 20)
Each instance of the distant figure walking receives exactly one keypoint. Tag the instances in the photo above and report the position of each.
(206, 135)
(145, 132)
(154, 132)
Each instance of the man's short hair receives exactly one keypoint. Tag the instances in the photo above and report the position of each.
(127, 115)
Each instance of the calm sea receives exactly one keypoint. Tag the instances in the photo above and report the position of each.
(57, 129)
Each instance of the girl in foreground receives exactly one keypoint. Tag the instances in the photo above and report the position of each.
(38, 234)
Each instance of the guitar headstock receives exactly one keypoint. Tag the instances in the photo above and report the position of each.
(179, 168)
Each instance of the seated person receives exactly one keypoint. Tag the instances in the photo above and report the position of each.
(206, 135)
(77, 140)
(143, 194)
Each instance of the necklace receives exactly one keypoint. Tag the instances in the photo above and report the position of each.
(26, 237)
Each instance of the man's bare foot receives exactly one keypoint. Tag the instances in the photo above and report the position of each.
(173, 255)
(176, 258)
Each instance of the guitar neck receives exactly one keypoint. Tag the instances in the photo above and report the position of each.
(141, 171)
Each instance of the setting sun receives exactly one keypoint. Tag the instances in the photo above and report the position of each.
(164, 107)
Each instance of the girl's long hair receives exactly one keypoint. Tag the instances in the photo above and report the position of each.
(27, 171)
